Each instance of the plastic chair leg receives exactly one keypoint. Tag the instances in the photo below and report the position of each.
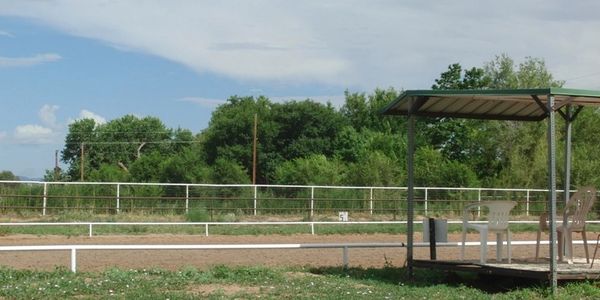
(499, 246)
(483, 246)
(537, 244)
(585, 247)
(462, 248)
(508, 241)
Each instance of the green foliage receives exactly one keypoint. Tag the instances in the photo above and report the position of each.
(197, 214)
(313, 170)
(8, 175)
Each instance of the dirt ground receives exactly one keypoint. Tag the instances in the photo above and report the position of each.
(95, 260)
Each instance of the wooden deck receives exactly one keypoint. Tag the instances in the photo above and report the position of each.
(578, 270)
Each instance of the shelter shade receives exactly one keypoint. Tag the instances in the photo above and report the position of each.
(516, 104)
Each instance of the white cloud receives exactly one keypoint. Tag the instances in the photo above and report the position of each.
(47, 115)
(86, 114)
(405, 44)
(6, 33)
(205, 102)
(28, 61)
(34, 134)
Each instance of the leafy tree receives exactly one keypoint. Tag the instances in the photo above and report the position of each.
(362, 111)
(313, 170)
(108, 173)
(8, 175)
(229, 172)
(376, 169)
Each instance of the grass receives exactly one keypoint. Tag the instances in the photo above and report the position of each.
(222, 282)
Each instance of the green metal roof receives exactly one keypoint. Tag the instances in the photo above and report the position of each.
(506, 104)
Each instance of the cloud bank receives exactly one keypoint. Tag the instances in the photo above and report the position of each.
(28, 61)
(340, 42)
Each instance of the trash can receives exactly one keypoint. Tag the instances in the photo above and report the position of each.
(441, 230)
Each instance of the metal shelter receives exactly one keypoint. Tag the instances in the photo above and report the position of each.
(507, 104)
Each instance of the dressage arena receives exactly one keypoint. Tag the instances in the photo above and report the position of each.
(98, 260)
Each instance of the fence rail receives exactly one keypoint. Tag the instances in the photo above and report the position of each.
(116, 197)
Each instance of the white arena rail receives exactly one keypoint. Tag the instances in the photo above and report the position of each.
(74, 248)
(345, 246)
(206, 225)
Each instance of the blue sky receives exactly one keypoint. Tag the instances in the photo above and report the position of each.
(63, 60)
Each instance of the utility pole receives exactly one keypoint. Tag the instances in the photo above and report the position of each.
(254, 149)
(56, 168)
(82, 160)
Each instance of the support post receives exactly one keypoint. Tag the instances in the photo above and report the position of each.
(479, 200)
(187, 198)
(426, 199)
(206, 229)
(312, 228)
(567, 170)
(432, 242)
(552, 190)
(118, 197)
(73, 260)
(345, 257)
(45, 200)
(90, 230)
(527, 203)
(312, 201)
(371, 201)
(410, 194)
(255, 199)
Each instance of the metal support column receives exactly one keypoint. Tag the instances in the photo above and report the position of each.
(567, 187)
(552, 190)
(411, 194)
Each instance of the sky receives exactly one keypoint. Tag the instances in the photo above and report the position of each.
(64, 60)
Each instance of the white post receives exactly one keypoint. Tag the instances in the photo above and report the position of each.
(426, 199)
(527, 203)
(312, 201)
(73, 260)
(118, 197)
(187, 198)
(206, 229)
(45, 198)
(371, 201)
(312, 228)
(479, 200)
(90, 229)
(345, 257)
(255, 197)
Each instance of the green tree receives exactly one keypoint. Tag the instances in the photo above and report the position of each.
(313, 170)
(8, 175)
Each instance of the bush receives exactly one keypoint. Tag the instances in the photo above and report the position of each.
(197, 214)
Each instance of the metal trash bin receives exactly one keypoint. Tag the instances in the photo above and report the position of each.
(441, 230)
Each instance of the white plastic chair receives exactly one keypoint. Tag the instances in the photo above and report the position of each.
(576, 211)
(497, 223)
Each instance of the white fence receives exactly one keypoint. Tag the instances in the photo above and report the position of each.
(344, 246)
(250, 197)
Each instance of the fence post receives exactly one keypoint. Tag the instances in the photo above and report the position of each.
(527, 203)
(73, 260)
(118, 197)
(90, 229)
(345, 257)
(312, 228)
(45, 198)
(255, 197)
(187, 198)
(371, 201)
(312, 201)
(426, 199)
(206, 229)
(479, 200)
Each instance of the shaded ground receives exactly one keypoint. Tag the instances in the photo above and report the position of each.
(94, 260)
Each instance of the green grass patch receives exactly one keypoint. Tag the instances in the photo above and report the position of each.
(222, 282)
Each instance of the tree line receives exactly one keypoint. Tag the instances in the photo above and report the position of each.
(310, 143)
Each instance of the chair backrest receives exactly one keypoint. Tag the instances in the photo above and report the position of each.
(579, 206)
(499, 212)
